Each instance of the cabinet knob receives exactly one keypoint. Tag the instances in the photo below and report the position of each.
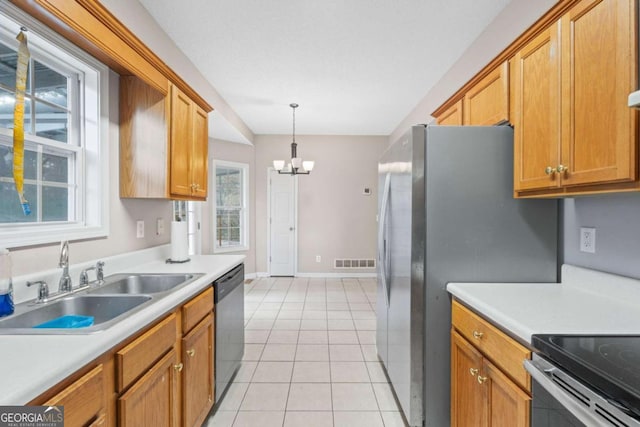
(562, 169)
(477, 335)
(191, 352)
(178, 367)
(549, 170)
(481, 379)
(473, 372)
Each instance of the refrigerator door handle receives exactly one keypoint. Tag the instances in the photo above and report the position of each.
(383, 253)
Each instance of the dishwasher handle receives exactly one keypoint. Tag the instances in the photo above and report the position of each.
(228, 282)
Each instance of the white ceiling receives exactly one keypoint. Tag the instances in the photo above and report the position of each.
(356, 67)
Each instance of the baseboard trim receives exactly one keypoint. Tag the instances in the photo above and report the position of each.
(319, 275)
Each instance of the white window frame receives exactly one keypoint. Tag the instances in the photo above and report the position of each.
(244, 218)
(92, 156)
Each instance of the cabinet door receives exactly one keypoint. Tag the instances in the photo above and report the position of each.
(151, 401)
(197, 383)
(199, 153)
(467, 394)
(84, 401)
(508, 405)
(452, 116)
(536, 123)
(487, 103)
(598, 72)
(181, 143)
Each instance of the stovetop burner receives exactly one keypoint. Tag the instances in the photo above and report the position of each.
(610, 364)
(622, 356)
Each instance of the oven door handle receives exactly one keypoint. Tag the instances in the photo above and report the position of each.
(541, 372)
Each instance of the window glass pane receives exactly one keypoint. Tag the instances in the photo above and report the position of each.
(51, 122)
(8, 61)
(7, 105)
(55, 203)
(55, 168)
(228, 186)
(51, 86)
(6, 163)
(30, 165)
(10, 209)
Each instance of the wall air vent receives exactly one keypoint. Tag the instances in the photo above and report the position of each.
(354, 263)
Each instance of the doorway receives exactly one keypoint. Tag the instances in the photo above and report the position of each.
(283, 241)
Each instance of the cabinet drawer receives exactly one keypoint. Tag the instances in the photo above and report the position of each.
(84, 400)
(502, 350)
(136, 358)
(196, 310)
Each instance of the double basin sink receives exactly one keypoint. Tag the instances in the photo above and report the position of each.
(118, 297)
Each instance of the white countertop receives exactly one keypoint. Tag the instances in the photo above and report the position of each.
(586, 302)
(31, 364)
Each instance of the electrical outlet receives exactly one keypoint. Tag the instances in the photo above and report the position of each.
(140, 229)
(318, 258)
(159, 226)
(588, 240)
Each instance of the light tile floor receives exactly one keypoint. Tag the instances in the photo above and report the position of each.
(310, 358)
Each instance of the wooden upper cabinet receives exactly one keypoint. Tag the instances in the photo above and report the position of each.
(181, 143)
(574, 133)
(163, 143)
(487, 102)
(143, 140)
(189, 147)
(599, 70)
(451, 116)
(535, 89)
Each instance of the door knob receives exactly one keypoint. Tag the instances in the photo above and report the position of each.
(291, 228)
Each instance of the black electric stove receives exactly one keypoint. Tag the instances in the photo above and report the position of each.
(610, 364)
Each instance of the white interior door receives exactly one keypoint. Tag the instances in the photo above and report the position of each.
(282, 217)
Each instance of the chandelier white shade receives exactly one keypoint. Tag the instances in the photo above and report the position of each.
(296, 166)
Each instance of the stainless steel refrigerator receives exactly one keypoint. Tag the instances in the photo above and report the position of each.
(447, 214)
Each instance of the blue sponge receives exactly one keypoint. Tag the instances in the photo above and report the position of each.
(68, 321)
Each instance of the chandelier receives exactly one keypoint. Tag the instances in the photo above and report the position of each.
(296, 166)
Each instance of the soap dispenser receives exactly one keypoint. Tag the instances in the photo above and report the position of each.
(6, 287)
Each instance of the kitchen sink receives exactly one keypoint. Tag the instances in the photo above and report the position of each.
(133, 284)
(106, 310)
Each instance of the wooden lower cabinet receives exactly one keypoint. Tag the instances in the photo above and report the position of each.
(481, 394)
(508, 405)
(84, 400)
(152, 401)
(467, 396)
(197, 380)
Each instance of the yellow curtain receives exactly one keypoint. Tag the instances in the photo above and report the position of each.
(18, 121)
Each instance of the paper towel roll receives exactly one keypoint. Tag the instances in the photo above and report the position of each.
(179, 241)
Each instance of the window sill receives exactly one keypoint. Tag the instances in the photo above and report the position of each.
(17, 237)
(230, 249)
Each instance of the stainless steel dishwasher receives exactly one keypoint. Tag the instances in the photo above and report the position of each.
(229, 317)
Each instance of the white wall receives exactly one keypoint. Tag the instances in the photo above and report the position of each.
(123, 216)
(240, 153)
(335, 220)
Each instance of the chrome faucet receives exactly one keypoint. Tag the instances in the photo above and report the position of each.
(43, 291)
(65, 284)
(84, 276)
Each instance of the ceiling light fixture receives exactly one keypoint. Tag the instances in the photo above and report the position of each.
(296, 166)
